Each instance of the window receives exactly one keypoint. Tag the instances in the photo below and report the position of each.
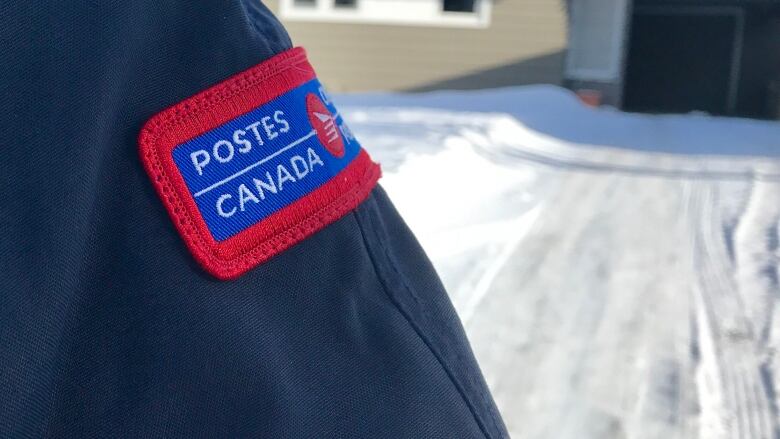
(448, 13)
(345, 3)
(459, 5)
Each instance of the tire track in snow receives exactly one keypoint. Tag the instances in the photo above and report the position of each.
(756, 259)
(524, 225)
(733, 397)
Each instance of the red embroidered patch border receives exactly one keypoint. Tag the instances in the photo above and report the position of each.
(284, 228)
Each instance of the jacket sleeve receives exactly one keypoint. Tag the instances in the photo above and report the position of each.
(108, 326)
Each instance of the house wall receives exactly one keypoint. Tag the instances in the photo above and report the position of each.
(524, 43)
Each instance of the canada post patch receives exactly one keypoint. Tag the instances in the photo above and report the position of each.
(255, 164)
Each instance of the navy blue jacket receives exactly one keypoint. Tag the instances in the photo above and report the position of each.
(109, 328)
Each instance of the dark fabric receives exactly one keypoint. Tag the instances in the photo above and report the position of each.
(107, 326)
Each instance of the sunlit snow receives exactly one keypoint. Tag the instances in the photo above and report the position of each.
(617, 273)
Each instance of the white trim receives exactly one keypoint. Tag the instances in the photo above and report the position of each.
(612, 72)
(393, 12)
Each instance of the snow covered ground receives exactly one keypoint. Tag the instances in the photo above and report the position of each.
(617, 274)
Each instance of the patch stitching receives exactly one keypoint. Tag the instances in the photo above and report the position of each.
(290, 233)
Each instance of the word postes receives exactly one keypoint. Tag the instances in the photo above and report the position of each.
(223, 151)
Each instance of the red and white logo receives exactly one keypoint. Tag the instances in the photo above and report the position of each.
(325, 125)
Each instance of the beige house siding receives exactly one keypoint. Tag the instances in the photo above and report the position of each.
(524, 43)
